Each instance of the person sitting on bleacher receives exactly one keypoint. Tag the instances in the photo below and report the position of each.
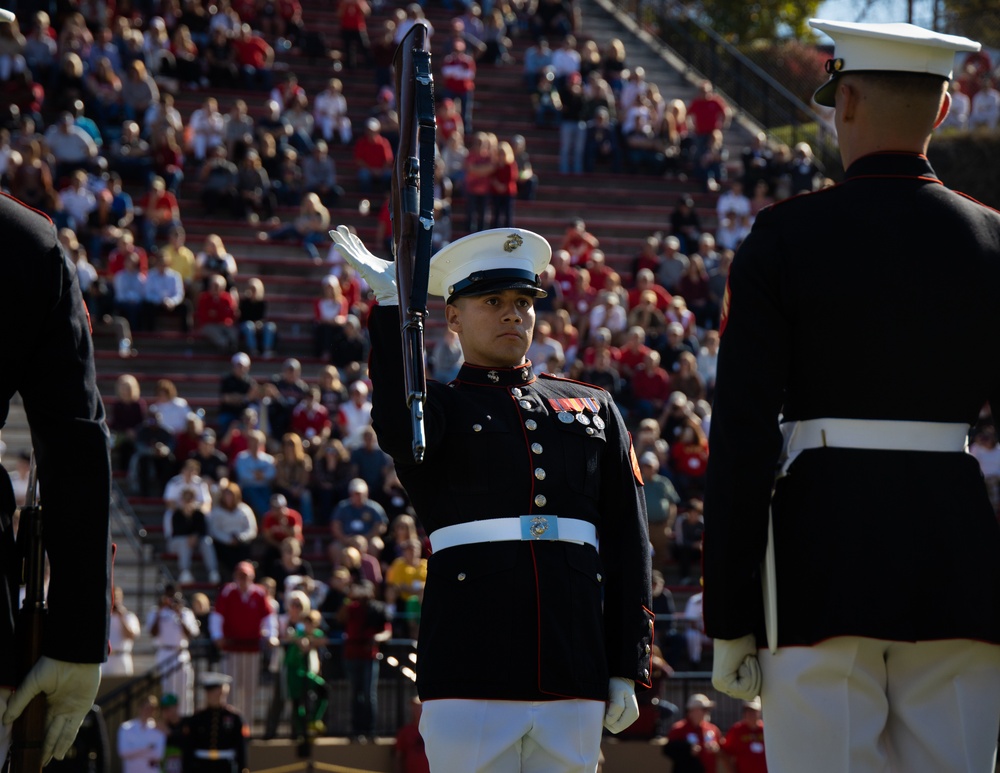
(160, 212)
(184, 523)
(232, 526)
(258, 332)
(214, 260)
(255, 199)
(215, 315)
(164, 296)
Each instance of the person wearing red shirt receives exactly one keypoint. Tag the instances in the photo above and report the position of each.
(706, 113)
(689, 458)
(645, 279)
(354, 31)
(650, 387)
(118, 256)
(160, 212)
(366, 623)
(215, 315)
(579, 242)
(239, 620)
(600, 272)
(743, 746)
(373, 154)
(504, 185)
(693, 743)
(449, 121)
(458, 70)
(254, 57)
(279, 523)
(311, 419)
(648, 257)
(478, 179)
(634, 352)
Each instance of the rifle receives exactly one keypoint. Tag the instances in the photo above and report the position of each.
(29, 729)
(413, 213)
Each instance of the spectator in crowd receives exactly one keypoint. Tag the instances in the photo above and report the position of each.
(405, 581)
(693, 743)
(255, 198)
(689, 455)
(185, 529)
(708, 112)
(310, 226)
(685, 224)
(293, 467)
(985, 106)
(173, 625)
(214, 260)
(369, 462)
(504, 187)
(241, 619)
(358, 514)
(536, 58)
(743, 745)
(373, 155)
(70, 146)
(478, 179)
(661, 508)
(708, 360)
(160, 212)
(302, 638)
(221, 65)
(121, 639)
(355, 414)
(366, 624)
(215, 315)
(288, 568)
(285, 391)
(77, 199)
(354, 31)
(689, 532)
(330, 477)
(237, 391)
(207, 128)
(458, 73)
(232, 526)
(258, 332)
(319, 175)
(255, 472)
(311, 420)
(255, 59)
(280, 522)
(128, 412)
(170, 409)
(129, 291)
(218, 177)
(330, 112)
(141, 743)
(527, 180)
(188, 479)
(164, 295)
(601, 145)
(214, 464)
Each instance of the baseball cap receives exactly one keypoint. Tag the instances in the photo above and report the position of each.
(168, 700)
(490, 261)
(649, 459)
(699, 701)
(241, 359)
(893, 47)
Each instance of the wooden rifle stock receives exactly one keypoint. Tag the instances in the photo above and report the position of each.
(29, 730)
(413, 213)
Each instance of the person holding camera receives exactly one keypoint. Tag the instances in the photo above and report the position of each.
(172, 625)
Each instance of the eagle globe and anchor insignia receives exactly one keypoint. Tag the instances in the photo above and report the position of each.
(539, 527)
(513, 242)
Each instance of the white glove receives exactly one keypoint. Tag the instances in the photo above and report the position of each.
(379, 274)
(735, 670)
(70, 689)
(4, 729)
(623, 708)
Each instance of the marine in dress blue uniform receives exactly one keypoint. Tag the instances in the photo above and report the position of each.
(513, 456)
(215, 738)
(882, 609)
(47, 356)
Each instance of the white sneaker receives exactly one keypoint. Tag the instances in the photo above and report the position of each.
(214, 577)
(186, 577)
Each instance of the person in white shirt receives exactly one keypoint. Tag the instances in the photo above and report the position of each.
(141, 743)
(985, 107)
(124, 628)
(172, 625)
(330, 112)
(961, 105)
(355, 415)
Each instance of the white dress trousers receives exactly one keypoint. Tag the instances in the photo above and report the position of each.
(490, 736)
(870, 706)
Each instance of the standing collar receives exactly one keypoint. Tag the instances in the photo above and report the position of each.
(496, 377)
(891, 164)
